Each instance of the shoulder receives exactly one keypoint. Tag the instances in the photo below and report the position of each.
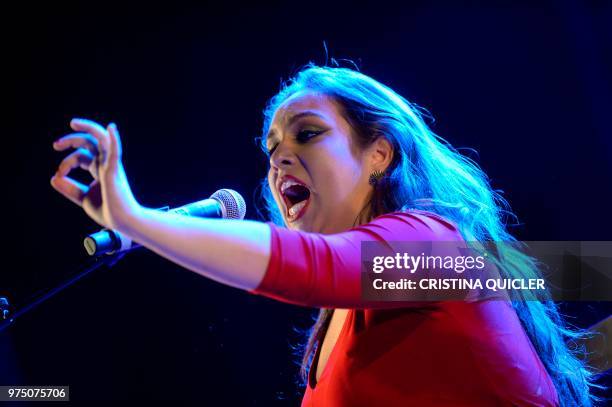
(431, 219)
(413, 224)
(427, 219)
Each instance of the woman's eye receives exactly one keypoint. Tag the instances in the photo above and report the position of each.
(302, 137)
(305, 135)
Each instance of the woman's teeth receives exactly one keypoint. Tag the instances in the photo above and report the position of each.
(295, 209)
(288, 183)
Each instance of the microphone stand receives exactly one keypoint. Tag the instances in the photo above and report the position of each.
(7, 318)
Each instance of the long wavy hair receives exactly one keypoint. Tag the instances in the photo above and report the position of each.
(428, 173)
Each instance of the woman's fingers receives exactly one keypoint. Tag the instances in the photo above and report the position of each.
(71, 189)
(97, 131)
(81, 157)
(76, 140)
(96, 149)
(90, 127)
(115, 143)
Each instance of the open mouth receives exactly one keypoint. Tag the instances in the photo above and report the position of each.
(296, 197)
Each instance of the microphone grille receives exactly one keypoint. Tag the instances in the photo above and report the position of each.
(232, 201)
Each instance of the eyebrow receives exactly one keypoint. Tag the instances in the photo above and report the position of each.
(293, 119)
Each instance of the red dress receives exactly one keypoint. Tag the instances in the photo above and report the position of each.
(445, 353)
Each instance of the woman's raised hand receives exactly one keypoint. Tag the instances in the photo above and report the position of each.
(108, 199)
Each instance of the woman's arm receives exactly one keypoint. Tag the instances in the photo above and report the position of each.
(303, 268)
(325, 271)
(232, 252)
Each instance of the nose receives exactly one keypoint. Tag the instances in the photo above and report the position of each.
(282, 157)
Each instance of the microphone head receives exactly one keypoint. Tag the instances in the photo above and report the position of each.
(232, 202)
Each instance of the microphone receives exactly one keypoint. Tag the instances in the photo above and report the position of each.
(224, 204)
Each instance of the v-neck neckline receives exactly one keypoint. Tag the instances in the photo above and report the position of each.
(312, 373)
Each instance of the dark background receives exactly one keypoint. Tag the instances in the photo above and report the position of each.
(526, 84)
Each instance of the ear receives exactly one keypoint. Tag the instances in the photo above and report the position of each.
(380, 154)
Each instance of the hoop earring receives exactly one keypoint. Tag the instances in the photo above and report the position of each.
(375, 177)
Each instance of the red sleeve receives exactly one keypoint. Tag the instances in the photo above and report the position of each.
(317, 270)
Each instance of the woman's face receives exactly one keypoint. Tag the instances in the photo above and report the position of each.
(318, 174)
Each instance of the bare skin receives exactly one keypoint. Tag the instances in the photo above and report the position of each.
(335, 171)
(329, 163)
(318, 149)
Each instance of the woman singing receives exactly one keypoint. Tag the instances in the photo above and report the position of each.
(352, 161)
